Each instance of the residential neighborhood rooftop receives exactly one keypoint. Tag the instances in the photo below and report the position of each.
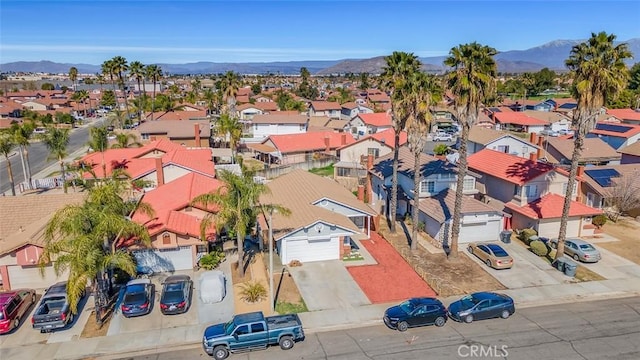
(440, 207)
(550, 207)
(511, 168)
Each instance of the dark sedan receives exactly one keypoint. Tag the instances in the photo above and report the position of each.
(138, 298)
(416, 312)
(480, 306)
(176, 294)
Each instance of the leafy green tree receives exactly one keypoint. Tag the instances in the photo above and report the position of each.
(108, 98)
(364, 81)
(256, 88)
(7, 143)
(73, 76)
(57, 140)
(626, 99)
(471, 80)
(634, 77)
(124, 141)
(399, 68)
(599, 72)
(230, 129)
(47, 86)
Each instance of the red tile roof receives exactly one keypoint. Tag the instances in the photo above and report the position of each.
(169, 199)
(376, 119)
(311, 141)
(379, 98)
(511, 168)
(550, 207)
(267, 106)
(388, 137)
(625, 114)
(517, 118)
(325, 105)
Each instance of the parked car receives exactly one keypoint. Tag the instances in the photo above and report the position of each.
(416, 312)
(252, 331)
(442, 136)
(138, 298)
(491, 254)
(480, 306)
(579, 250)
(53, 311)
(176, 294)
(549, 132)
(14, 306)
(565, 132)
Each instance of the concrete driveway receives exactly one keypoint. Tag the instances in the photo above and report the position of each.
(528, 269)
(327, 285)
(198, 313)
(612, 266)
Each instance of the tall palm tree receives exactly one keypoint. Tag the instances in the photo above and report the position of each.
(119, 68)
(154, 73)
(22, 136)
(472, 79)
(100, 80)
(98, 141)
(421, 92)
(230, 129)
(73, 76)
(78, 238)
(399, 68)
(231, 84)
(57, 140)
(124, 141)
(599, 73)
(237, 201)
(7, 143)
(209, 97)
(138, 72)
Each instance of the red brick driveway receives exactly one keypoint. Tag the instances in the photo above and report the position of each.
(392, 279)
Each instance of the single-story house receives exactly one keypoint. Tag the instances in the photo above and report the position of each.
(366, 124)
(519, 121)
(594, 152)
(630, 153)
(187, 133)
(617, 135)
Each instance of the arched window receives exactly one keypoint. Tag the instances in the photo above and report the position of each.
(166, 238)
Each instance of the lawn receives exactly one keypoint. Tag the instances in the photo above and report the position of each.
(626, 230)
(323, 171)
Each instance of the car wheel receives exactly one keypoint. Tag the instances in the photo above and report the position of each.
(220, 353)
(440, 321)
(16, 323)
(576, 257)
(468, 319)
(403, 326)
(286, 342)
(505, 314)
(488, 262)
(70, 318)
(470, 250)
(33, 298)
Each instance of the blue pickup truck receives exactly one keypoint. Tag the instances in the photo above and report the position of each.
(252, 331)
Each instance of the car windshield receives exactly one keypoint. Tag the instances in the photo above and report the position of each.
(407, 307)
(172, 297)
(588, 247)
(498, 251)
(468, 302)
(134, 298)
(228, 327)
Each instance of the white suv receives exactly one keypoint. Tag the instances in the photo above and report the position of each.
(442, 136)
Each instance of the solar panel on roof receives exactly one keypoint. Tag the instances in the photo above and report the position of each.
(613, 128)
(602, 176)
(568, 106)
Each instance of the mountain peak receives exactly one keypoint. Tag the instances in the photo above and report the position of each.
(560, 43)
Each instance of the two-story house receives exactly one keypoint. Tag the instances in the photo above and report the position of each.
(270, 124)
(351, 109)
(325, 108)
(557, 121)
(194, 133)
(486, 138)
(438, 182)
(519, 121)
(532, 191)
(366, 124)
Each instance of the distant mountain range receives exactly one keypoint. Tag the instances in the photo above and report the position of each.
(551, 55)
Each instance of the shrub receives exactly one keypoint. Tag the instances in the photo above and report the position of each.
(421, 226)
(253, 292)
(599, 220)
(539, 248)
(525, 234)
(211, 260)
(440, 149)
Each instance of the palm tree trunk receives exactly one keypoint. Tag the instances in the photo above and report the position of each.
(393, 206)
(28, 175)
(462, 172)
(11, 182)
(115, 94)
(416, 199)
(139, 101)
(241, 260)
(144, 97)
(24, 167)
(126, 98)
(575, 157)
(153, 101)
(64, 177)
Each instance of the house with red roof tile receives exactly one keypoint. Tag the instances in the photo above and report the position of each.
(299, 148)
(519, 122)
(617, 135)
(370, 123)
(331, 109)
(194, 133)
(248, 111)
(628, 116)
(351, 109)
(175, 227)
(531, 190)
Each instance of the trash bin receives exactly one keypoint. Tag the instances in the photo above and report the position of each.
(559, 263)
(505, 236)
(570, 268)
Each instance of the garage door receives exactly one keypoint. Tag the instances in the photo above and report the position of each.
(30, 277)
(482, 231)
(312, 250)
(164, 260)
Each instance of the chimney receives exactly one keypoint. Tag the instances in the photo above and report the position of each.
(540, 140)
(159, 172)
(343, 139)
(196, 128)
(532, 138)
(533, 156)
(580, 171)
(361, 192)
(327, 143)
(539, 154)
(369, 161)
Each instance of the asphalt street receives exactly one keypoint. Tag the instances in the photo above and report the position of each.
(586, 330)
(39, 157)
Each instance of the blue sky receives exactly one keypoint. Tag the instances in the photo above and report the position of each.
(242, 31)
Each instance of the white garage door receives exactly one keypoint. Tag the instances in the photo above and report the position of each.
(311, 250)
(30, 277)
(165, 260)
(482, 231)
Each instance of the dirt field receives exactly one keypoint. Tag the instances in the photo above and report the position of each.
(626, 230)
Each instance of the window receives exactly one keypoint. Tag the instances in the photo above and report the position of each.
(469, 184)
(145, 136)
(242, 330)
(343, 172)
(517, 190)
(166, 239)
(503, 148)
(564, 188)
(427, 186)
(373, 151)
(530, 191)
(257, 327)
(255, 127)
(302, 127)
